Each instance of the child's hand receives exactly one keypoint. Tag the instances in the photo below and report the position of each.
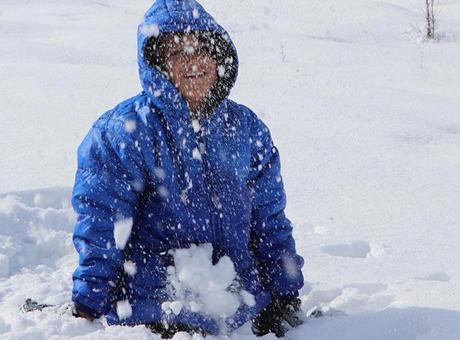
(274, 316)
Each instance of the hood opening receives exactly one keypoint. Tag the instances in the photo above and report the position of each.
(220, 50)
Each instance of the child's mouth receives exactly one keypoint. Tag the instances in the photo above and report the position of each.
(195, 75)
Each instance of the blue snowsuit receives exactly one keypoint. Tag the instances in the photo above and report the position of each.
(144, 160)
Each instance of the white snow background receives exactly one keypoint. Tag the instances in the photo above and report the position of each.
(366, 116)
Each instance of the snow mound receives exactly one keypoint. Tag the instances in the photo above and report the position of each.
(33, 230)
(37, 259)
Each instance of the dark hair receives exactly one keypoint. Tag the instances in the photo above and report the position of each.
(216, 45)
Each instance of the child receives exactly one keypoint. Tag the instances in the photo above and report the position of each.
(177, 165)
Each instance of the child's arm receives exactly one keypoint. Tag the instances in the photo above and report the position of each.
(109, 171)
(272, 241)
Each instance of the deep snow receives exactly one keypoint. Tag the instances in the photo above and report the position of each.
(365, 114)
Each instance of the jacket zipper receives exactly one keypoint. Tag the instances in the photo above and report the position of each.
(211, 195)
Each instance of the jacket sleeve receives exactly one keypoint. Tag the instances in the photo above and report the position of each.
(272, 242)
(109, 173)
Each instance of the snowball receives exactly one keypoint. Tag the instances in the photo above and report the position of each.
(248, 298)
(196, 154)
(196, 125)
(163, 191)
(144, 110)
(195, 306)
(130, 268)
(166, 307)
(176, 307)
(159, 173)
(202, 286)
(138, 185)
(290, 266)
(221, 71)
(122, 232)
(124, 310)
(151, 30)
(130, 126)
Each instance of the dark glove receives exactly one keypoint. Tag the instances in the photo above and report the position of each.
(81, 311)
(83, 315)
(168, 331)
(274, 317)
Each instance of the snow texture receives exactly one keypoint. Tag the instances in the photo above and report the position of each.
(4, 265)
(363, 111)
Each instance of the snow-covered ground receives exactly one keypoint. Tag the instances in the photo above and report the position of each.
(365, 114)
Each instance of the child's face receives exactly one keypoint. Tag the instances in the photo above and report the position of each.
(190, 67)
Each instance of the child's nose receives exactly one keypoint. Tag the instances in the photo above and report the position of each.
(193, 64)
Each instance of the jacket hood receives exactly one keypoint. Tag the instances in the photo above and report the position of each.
(181, 16)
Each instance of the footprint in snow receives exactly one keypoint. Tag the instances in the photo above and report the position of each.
(437, 276)
(353, 298)
(356, 249)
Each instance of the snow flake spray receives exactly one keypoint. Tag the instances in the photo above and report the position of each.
(195, 284)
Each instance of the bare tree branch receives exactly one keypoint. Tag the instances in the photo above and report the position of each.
(430, 19)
